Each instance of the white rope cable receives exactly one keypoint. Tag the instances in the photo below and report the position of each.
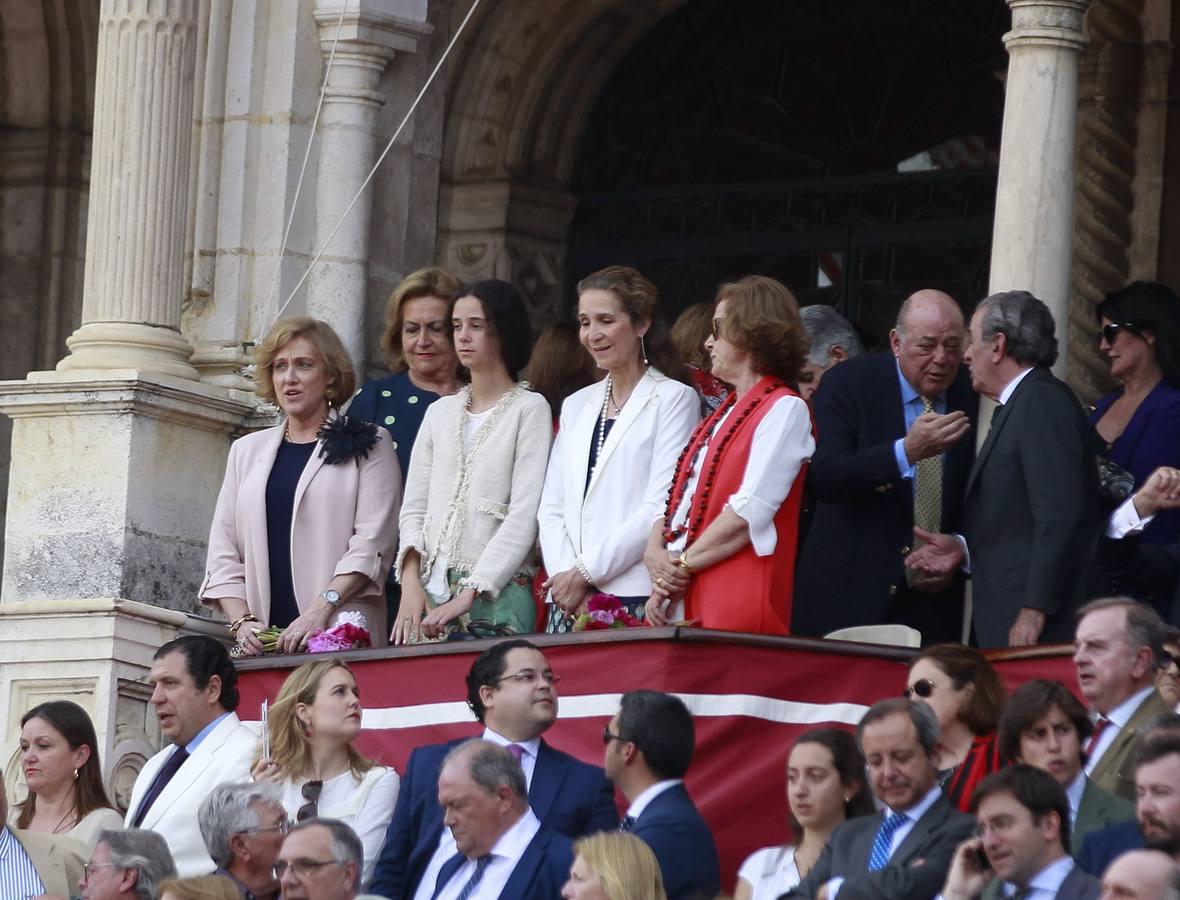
(380, 159)
(306, 155)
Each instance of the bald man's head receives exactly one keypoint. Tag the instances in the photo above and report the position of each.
(1139, 875)
(928, 341)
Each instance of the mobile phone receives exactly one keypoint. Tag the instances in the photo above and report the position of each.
(265, 731)
(981, 859)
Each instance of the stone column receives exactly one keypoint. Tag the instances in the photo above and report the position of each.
(143, 117)
(368, 40)
(1033, 234)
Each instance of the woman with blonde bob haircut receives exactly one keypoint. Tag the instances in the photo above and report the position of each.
(732, 515)
(613, 865)
(312, 726)
(306, 522)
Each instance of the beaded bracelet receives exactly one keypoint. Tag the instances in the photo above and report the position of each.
(582, 570)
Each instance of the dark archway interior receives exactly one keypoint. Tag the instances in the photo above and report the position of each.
(848, 148)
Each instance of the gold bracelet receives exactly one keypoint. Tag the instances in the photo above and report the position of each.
(238, 623)
(684, 561)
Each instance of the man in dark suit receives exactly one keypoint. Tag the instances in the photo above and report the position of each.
(1023, 817)
(1044, 725)
(904, 853)
(501, 849)
(649, 745)
(878, 453)
(1031, 516)
(511, 690)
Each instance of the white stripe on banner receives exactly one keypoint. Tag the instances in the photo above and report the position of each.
(589, 706)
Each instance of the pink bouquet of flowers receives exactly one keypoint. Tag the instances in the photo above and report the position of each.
(605, 611)
(341, 636)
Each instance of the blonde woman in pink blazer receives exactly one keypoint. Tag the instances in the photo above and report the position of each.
(306, 522)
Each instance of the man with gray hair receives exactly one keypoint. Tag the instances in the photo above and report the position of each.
(321, 859)
(833, 340)
(895, 443)
(243, 826)
(1031, 515)
(904, 852)
(127, 865)
(502, 849)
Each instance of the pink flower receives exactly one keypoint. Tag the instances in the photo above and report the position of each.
(343, 636)
(607, 602)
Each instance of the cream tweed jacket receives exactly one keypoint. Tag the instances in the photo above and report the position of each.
(477, 510)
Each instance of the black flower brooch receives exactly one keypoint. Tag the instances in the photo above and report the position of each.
(344, 438)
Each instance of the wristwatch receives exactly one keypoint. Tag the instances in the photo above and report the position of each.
(332, 598)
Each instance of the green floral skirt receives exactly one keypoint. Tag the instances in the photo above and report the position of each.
(512, 612)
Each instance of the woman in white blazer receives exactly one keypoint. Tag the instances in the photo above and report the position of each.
(306, 521)
(616, 449)
(469, 521)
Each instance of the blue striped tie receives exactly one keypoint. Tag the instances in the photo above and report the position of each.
(880, 855)
(469, 888)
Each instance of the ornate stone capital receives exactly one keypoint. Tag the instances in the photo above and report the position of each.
(1046, 23)
(366, 41)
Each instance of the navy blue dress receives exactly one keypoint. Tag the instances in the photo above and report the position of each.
(397, 405)
(289, 464)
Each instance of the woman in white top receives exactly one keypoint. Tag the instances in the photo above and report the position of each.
(615, 451)
(732, 516)
(312, 725)
(825, 786)
(60, 763)
(469, 517)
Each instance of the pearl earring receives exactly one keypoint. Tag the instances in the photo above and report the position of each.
(643, 349)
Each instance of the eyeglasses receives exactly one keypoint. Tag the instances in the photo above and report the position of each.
(608, 736)
(87, 868)
(716, 329)
(303, 868)
(1169, 661)
(281, 827)
(923, 688)
(1111, 331)
(530, 676)
(311, 793)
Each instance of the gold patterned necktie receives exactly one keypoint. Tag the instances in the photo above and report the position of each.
(928, 487)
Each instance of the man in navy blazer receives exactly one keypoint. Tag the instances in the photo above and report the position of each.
(875, 443)
(649, 745)
(501, 849)
(511, 690)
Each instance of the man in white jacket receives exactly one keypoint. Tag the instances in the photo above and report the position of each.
(195, 695)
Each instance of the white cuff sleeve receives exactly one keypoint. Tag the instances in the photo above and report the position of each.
(1125, 520)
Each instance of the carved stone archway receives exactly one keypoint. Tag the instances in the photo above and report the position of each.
(526, 78)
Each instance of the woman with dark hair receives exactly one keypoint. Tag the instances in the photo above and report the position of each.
(612, 462)
(313, 724)
(732, 515)
(826, 785)
(967, 696)
(558, 367)
(689, 333)
(60, 762)
(1139, 422)
(305, 524)
(469, 519)
(419, 352)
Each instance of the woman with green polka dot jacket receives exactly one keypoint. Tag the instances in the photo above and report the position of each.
(418, 348)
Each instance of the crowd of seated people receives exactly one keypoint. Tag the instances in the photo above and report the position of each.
(952, 790)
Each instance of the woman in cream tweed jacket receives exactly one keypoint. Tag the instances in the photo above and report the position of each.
(468, 519)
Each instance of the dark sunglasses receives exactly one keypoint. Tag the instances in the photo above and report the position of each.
(716, 328)
(608, 736)
(311, 793)
(1111, 331)
(923, 688)
(1168, 660)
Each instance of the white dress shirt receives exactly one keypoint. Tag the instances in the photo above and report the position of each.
(1119, 717)
(648, 794)
(913, 814)
(446, 841)
(782, 443)
(1073, 793)
(1047, 882)
(505, 856)
(1126, 520)
(18, 875)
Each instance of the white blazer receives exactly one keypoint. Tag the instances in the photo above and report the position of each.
(608, 524)
(224, 756)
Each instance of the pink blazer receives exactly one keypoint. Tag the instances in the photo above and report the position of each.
(344, 520)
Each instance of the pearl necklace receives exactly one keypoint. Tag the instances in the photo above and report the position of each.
(606, 397)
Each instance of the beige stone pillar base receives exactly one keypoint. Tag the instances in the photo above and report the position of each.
(96, 653)
(114, 478)
(126, 345)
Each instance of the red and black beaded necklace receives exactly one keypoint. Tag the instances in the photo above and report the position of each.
(753, 399)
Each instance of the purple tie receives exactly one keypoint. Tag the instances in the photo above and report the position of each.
(517, 751)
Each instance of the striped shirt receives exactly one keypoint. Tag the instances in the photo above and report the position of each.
(18, 877)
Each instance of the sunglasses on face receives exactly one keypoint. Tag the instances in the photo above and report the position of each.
(1170, 661)
(1111, 331)
(608, 736)
(923, 688)
(716, 329)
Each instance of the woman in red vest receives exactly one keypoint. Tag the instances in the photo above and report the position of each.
(727, 541)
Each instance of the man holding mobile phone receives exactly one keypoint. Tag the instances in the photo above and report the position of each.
(1022, 845)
